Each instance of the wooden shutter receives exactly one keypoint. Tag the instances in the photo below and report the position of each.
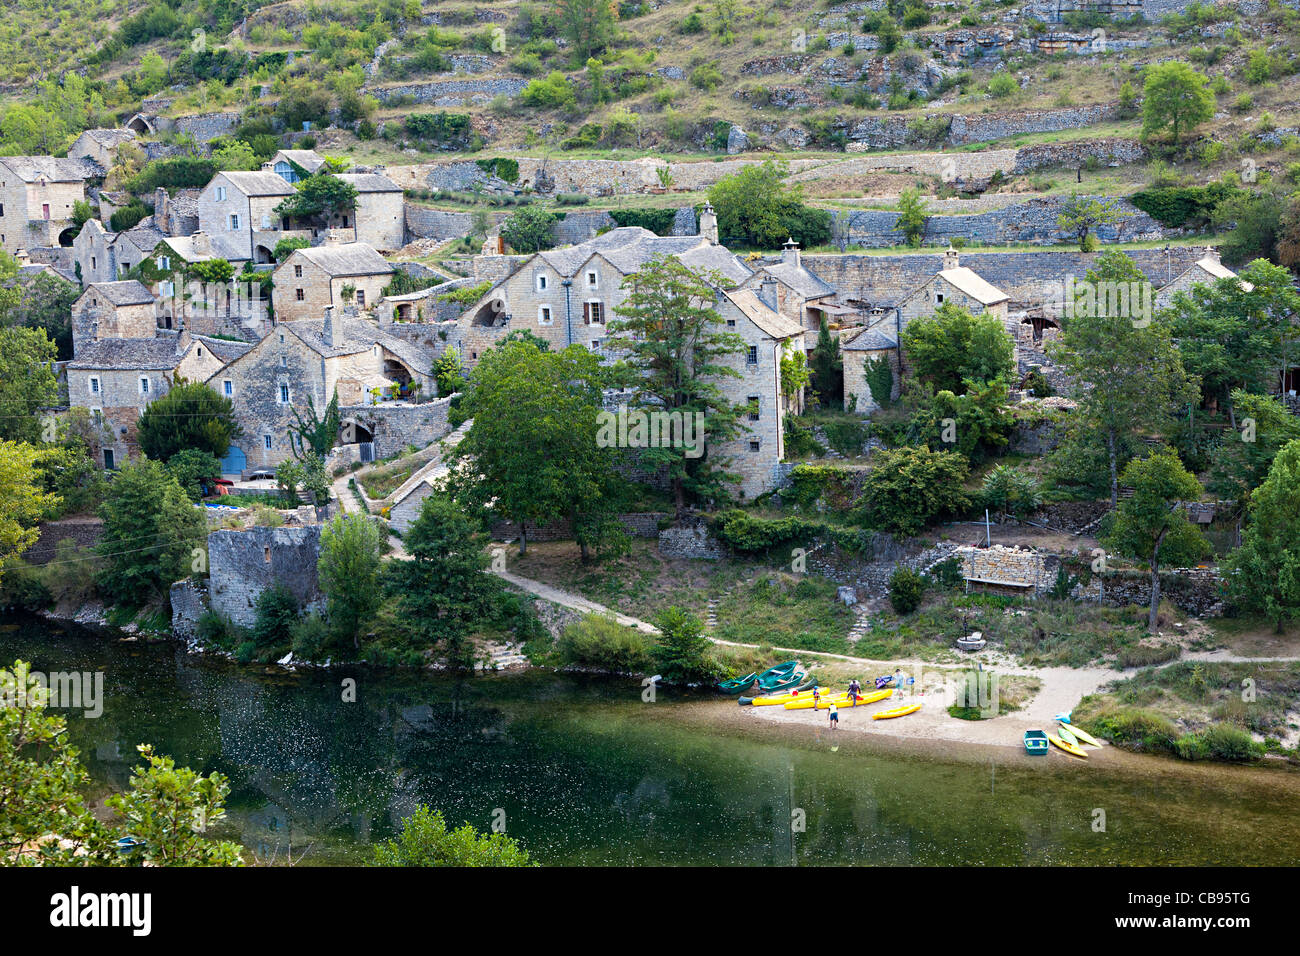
(586, 313)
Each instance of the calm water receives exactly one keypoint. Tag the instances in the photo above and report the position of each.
(588, 774)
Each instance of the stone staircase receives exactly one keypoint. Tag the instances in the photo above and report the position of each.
(502, 657)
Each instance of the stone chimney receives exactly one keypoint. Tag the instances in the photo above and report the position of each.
(950, 258)
(790, 252)
(327, 330)
(1212, 253)
(333, 237)
(268, 167)
(767, 293)
(202, 243)
(162, 210)
(709, 223)
(22, 257)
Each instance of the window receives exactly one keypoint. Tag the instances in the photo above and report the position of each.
(93, 262)
(126, 267)
(284, 395)
(592, 279)
(282, 334)
(753, 446)
(266, 551)
(266, 442)
(361, 297)
(752, 358)
(228, 388)
(97, 415)
(167, 288)
(541, 283)
(544, 315)
(144, 386)
(938, 298)
(165, 263)
(45, 211)
(297, 272)
(284, 361)
(731, 323)
(221, 194)
(198, 352)
(94, 385)
(109, 463)
(234, 221)
(266, 221)
(297, 294)
(753, 408)
(593, 313)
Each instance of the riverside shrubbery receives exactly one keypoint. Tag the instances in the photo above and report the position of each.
(599, 641)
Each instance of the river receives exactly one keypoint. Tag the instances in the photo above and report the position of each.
(583, 772)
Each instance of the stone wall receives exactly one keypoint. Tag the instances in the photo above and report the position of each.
(206, 127)
(1033, 222)
(1022, 275)
(451, 93)
(690, 541)
(984, 127)
(1008, 570)
(395, 426)
(189, 601)
(244, 563)
(82, 531)
(1077, 153)
(1197, 591)
(643, 524)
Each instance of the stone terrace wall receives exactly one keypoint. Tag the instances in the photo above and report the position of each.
(451, 92)
(1020, 274)
(396, 426)
(208, 126)
(1109, 152)
(1019, 570)
(84, 532)
(1034, 221)
(985, 127)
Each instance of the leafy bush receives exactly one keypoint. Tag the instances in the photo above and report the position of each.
(658, 221)
(1003, 85)
(440, 128)
(553, 92)
(799, 439)
(906, 588)
(1184, 206)
(600, 641)
(683, 653)
(502, 167)
(277, 614)
(1219, 742)
(910, 487)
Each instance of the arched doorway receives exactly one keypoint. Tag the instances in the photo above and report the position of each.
(263, 255)
(67, 236)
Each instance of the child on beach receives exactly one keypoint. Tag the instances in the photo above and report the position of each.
(834, 716)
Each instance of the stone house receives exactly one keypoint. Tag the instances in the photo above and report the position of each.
(307, 160)
(801, 295)
(567, 296)
(379, 218)
(1204, 271)
(311, 279)
(100, 146)
(37, 194)
(858, 347)
(237, 210)
(957, 285)
(235, 308)
(113, 310)
(309, 361)
(115, 378)
(105, 256)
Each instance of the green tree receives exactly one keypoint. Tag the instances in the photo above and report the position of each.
(1128, 375)
(1081, 215)
(910, 487)
(442, 594)
(191, 415)
(45, 303)
(587, 24)
(529, 230)
(683, 653)
(348, 569)
(448, 371)
(1150, 526)
(277, 613)
(426, 841)
(879, 374)
(194, 470)
(315, 434)
(22, 501)
(151, 533)
(827, 367)
(952, 349)
(677, 347)
(27, 382)
(319, 198)
(758, 207)
(1263, 575)
(1243, 459)
(1175, 97)
(533, 447)
(1236, 333)
(912, 216)
(170, 809)
(1011, 491)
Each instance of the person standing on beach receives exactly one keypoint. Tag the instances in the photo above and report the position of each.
(855, 689)
(834, 716)
(817, 697)
(898, 683)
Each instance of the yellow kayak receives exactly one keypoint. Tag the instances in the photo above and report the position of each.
(1083, 735)
(897, 712)
(1069, 748)
(840, 700)
(772, 699)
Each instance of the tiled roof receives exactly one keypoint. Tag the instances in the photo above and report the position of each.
(369, 182)
(356, 335)
(346, 259)
(799, 279)
(32, 169)
(970, 283)
(224, 349)
(628, 248)
(110, 137)
(127, 354)
(762, 315)
(126, 292)
(308, 159)
(868, 340)
(258, 183)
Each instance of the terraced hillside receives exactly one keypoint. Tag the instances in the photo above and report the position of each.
(992, 99)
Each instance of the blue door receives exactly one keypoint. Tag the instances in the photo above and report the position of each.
(235, 462)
